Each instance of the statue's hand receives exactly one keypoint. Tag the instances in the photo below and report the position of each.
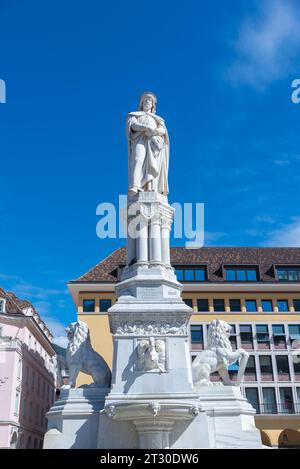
(160, 131)
(151, 131)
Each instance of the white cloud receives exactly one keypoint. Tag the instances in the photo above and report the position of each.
(40, 298)
(62, 341)
(287, 235)
(268, 44)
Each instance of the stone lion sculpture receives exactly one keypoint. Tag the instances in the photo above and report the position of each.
(82, 357)
(218, 356)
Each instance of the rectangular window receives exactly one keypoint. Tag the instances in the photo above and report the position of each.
(262, 336)
(199, 275)
(296, 305)
(1, 306)
(294, 331)
(278, 329)
(286, 401)
(179, 274)
(188, 275)
(188, 302)
(252, 396)
(251, 306)
(250, 371)
(104, 305)
(17, 403)
(269, 404)
(246, 336)
(283, 306)
(232, 337)
(279, 336)
(219, 305)
(196, 337)
(33, 380)
(288, 274)
(266, 368)
(191, 274)
(298, 401)
(235, 305)
(241, 274)
(202, 305)
(267, 306)
(230, 275)
(296, 364)
(88, 306)
(283, 369)
(19, 368)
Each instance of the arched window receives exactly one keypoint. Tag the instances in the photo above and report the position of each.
(29, 443)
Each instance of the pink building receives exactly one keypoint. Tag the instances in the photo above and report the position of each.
(27, 373)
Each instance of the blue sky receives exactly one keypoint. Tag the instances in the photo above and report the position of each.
(222, 71)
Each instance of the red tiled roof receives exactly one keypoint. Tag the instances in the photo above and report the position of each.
(12, 302)
(213, 257)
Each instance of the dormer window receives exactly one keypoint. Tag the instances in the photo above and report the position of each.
(288, 274)
(190, 274)
(2, 305)
(241, 274)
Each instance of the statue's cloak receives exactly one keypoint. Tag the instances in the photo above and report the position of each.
(156, 164)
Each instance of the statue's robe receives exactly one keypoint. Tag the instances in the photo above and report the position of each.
(156, 163)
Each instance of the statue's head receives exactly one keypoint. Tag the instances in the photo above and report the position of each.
(78, 333)
(148, 102)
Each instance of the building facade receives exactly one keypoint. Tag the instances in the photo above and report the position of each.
(256, 290)
(27, 374)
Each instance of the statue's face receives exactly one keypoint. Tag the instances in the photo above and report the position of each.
(227, 329)
(147, 103)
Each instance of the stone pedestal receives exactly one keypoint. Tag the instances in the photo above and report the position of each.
(149, 224)
(73, 419)
(230, 417)
(152, 392)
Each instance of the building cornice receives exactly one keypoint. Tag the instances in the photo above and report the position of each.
(32, 326)
(228, 287)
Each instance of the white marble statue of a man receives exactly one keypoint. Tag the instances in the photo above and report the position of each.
(148, 148)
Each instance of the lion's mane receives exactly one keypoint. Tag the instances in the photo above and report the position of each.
(216, 336)
(80, 334)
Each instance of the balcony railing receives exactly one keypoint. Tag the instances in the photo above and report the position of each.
(275, 409)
